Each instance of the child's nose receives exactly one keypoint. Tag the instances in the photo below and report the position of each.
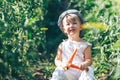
(71, 25)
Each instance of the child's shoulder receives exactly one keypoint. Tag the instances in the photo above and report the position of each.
(62, 42)
(86, 42)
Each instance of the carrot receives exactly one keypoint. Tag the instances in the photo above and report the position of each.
(72, 56)
(71, 59)
(75, 66)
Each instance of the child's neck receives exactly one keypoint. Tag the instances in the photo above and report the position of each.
(77, 39)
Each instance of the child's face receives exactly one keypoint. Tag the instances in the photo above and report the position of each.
(71, 25)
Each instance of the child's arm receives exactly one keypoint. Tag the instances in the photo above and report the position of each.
(88, 59)
(58, 58)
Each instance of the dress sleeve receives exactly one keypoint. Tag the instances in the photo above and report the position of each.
(89, 44)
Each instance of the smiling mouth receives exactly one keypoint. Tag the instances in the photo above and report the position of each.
(71, 31)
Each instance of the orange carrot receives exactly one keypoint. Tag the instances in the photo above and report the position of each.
(75, 66)
(72, 56)
(71, 59)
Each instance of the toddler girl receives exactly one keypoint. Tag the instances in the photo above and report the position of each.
(73, 59)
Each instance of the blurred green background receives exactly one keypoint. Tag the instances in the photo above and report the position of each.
(29, 37)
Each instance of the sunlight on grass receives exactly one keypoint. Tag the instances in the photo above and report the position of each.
(43, 29)
(117, 44)
(117, 2)
(97, 25)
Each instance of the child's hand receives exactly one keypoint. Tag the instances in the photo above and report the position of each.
(64, 65)
(83, 67)
(68, 65)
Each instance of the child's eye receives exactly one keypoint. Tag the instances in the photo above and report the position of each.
(74, 23)
(67, 24)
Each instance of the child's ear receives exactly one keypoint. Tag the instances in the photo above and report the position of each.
(63, 30)
(81, 26)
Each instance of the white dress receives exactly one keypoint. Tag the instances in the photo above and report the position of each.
(68, 46)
